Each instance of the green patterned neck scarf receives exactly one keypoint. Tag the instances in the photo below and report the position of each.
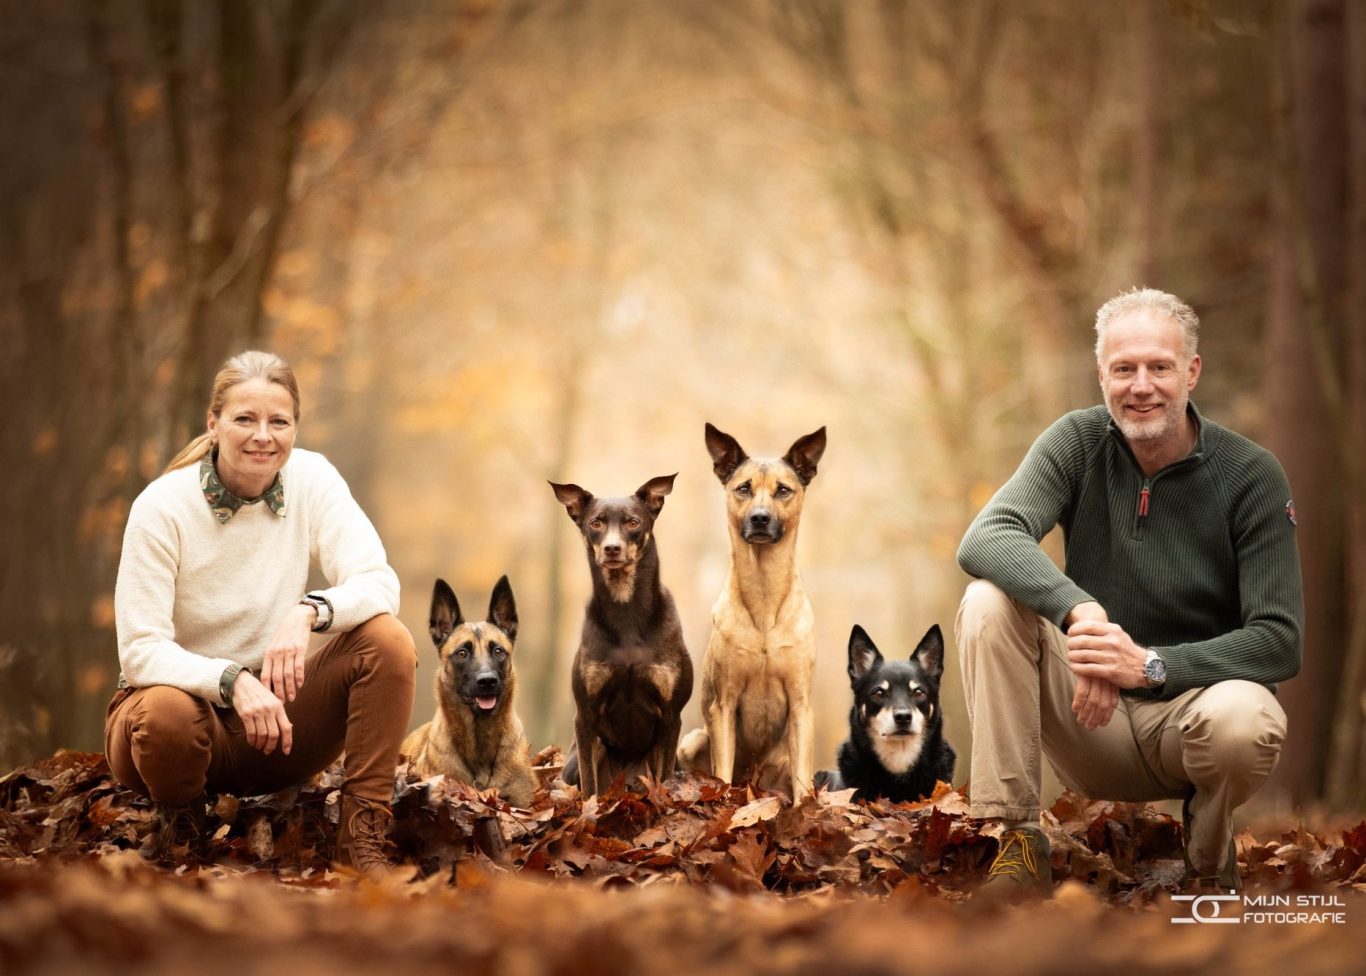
(224, 503)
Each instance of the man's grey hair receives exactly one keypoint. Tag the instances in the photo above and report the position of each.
(1149, 299)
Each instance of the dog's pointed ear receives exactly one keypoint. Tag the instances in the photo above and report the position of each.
(930, 652)
(445, 615)
(573, 498)
(503, 609)
(653, 491)
(726, 453)
(863, 653)
(805, 453)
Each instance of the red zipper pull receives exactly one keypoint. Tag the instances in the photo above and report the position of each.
(1143, 502)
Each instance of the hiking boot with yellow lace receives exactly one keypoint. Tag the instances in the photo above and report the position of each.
(1022, 869)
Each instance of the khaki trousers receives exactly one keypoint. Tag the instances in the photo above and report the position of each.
(357, 695)
(1212, 747)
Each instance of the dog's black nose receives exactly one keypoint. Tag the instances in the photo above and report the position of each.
(903, 717)
(487, 682)
(612, 549)
(760, 519)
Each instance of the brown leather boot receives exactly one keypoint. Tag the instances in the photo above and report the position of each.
(361, 835)
(182, 834)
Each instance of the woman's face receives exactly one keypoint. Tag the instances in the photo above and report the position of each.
(254, 433)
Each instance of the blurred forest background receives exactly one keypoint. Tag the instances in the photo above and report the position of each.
(506, 241)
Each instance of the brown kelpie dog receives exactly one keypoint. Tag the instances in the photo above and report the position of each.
(475, 736)
(757, 672)
(632, 674)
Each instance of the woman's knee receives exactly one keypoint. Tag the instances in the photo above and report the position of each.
(160, 742)
(168, 718)
(388, 643)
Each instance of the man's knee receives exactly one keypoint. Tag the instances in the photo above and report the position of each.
(983, 600)
(987, 614)
(1236, 727)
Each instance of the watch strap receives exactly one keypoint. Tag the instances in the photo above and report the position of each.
(326, 612)
(228, 682)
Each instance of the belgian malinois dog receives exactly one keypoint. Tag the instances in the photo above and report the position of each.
(632, 674)
(756, 674)
(475, 736)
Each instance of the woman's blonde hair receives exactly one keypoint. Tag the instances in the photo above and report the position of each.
(250, 365)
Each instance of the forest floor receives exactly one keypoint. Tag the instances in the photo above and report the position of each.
(688, 876)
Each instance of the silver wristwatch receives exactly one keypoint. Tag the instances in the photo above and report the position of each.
(321, 604)
(1155, 669)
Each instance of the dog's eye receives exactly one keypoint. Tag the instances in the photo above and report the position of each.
(498, 652)
(878, 694)
(919, 694)
(463, 651)
(633, 523)
(783, 491)
(596, 523)
(744, 490)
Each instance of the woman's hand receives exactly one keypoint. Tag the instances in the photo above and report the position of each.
(282, 668)
(263, 715)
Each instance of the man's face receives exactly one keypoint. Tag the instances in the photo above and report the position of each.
(1146, 376)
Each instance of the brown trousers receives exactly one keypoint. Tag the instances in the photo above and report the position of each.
(1212, 746)
(357, 695)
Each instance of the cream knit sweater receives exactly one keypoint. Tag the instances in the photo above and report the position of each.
(194, 595)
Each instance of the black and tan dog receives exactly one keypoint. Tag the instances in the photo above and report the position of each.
(896, 748)
(475, 736)
(632, 674)
(756, 675)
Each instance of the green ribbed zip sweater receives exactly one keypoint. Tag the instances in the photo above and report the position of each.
(1198, 562)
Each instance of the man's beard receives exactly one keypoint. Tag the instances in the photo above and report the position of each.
(1157, 426)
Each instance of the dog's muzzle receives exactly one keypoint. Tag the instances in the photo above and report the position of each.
(487, 688)
(761, 526)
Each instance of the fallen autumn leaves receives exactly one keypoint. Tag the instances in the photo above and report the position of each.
(700, 864)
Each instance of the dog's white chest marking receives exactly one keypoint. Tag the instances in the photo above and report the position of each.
(897, 753)
(621, 583)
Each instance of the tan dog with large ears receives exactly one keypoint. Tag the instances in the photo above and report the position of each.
(475, 736)
(757, 672)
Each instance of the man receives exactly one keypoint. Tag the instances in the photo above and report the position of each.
(1146, 669)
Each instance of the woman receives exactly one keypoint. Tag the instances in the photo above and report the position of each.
(218, 691)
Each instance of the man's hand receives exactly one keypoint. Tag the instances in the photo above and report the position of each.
(1085, 611)
(1094, 703)
(1096, 698)
(1104, 650)
(263, 715)
(282, 668)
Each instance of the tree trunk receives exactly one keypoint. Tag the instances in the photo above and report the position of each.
(1303, 382)
(1146, 56)
(1347, 771)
